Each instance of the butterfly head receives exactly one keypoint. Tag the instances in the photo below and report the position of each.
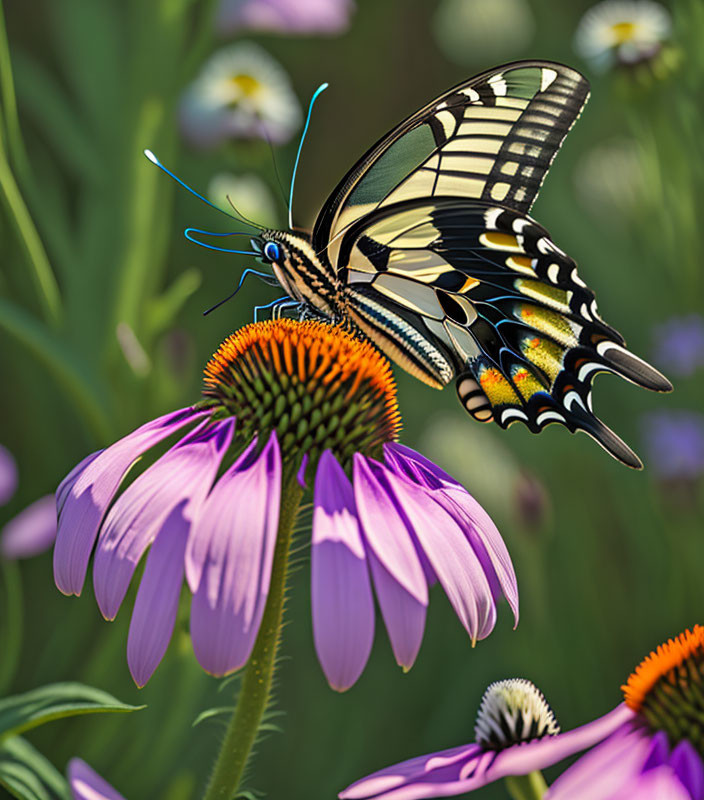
(297, 267)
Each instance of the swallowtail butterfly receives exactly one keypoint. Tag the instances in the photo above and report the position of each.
(426, 247)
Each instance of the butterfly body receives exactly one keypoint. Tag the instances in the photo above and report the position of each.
(426, 247)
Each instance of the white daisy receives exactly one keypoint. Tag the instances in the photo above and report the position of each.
(241, 92)
(622, 32)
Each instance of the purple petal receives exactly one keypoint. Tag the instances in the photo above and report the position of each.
(341, 595)
(92, 492)
(425, 777)
(396, 569)
(156, 605)
(301, 476)
(687, 764)
(201, 535)
(660, 783)
(239, 523)
(86, 784)
(416, 466)
(184, 473)
(477, 525)
(32, 531)
(386, 531)
(68, 482)
(284, 16)
(486, 541)
(452, 558)
(408, 773)
(8, 475)
(602, 772)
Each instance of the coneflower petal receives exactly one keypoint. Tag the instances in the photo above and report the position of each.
(240, 519)
(341, 594)
(91, 494)
(180, 478)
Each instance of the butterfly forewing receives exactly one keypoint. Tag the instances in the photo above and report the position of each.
(490, 138)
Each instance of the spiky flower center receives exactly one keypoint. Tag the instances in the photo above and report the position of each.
(314, 384)
(513, 711)
(667, 688)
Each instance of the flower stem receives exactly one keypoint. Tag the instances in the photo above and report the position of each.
(255, 692)
(527, 787)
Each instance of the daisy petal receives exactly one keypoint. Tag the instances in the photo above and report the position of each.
(341, 595)
(239, 523)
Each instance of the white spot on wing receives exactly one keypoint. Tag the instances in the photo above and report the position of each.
(547, 78)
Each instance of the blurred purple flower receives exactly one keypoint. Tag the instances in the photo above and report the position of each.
(675, 444)
(679, 344)
(240, 92)
(86, 784)
(31, 532)
(8, 475)
(401, 524)
(646, 747)
(284, 16)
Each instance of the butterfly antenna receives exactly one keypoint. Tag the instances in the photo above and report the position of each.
(188, 233)
(242, 217)
(155, 160)
(318, 91)
(276, 167)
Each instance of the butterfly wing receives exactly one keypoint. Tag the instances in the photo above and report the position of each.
(491, 138)
(461, 289)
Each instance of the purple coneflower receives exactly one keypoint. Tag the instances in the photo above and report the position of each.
(284, 16)
(286, 404)
(649, 746)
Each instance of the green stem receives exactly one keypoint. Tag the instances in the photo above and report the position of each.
(527, 787)
(41, 271)
(255, 692)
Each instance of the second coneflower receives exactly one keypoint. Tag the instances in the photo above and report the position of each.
(286, 405)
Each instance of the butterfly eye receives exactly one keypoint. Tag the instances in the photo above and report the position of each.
(272, 251)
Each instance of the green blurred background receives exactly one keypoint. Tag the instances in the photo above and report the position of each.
(609, 561)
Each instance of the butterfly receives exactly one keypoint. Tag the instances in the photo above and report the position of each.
(426, 248)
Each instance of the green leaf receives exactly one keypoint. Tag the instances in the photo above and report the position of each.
(27, 775)
(54, 701)
(209, 713)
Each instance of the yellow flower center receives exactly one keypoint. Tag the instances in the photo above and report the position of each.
(246, 84)
(623, 31)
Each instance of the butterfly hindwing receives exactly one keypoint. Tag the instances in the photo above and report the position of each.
(465, 290)
(491, 138)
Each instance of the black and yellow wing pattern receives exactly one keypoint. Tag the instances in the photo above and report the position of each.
(445, 271)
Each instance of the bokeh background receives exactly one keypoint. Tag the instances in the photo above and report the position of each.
(101, 329)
